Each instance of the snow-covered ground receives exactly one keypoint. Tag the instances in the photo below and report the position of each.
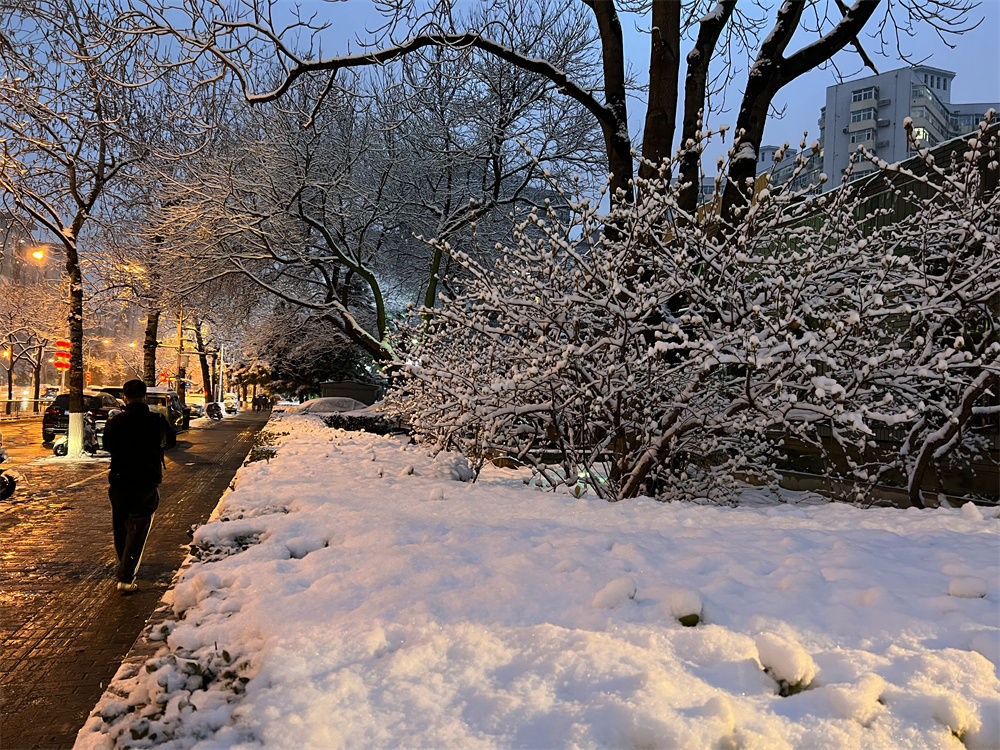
(349, 592)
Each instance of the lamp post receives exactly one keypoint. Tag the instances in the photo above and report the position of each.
(213, 355)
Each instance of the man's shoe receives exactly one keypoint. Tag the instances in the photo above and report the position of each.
(128, 588)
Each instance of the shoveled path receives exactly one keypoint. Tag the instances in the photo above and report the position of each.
(64, 627)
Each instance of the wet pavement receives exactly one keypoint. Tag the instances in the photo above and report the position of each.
(64, 628)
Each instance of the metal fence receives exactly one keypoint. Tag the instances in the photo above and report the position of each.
(22, 408)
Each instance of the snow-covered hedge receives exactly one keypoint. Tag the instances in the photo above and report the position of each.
(653, 351)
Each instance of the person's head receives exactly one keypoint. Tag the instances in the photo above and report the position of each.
(134, 391)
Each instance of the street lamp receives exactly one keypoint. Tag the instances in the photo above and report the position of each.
(39, 252)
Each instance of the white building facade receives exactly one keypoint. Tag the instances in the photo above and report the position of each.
(870, 112)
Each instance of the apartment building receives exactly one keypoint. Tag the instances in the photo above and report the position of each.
(870, 112)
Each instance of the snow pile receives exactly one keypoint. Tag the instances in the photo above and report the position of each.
(332, 605)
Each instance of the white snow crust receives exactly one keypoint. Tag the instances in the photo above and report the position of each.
(331, 605)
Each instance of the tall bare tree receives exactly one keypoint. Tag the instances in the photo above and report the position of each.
(70, 133)
(326, 217)
(228, 38)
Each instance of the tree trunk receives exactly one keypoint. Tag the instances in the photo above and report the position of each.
(698, 59)
(664, 65)
(772, 71)
(430, 295)
(10, 376)
(75, 430)
(941, 441)
(206, 377)
(36, 377)
(616, 138)
(149, 347)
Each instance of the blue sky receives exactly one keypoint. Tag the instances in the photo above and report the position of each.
(975, 59)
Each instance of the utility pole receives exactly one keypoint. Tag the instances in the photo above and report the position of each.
(222, 374)
(181, 373)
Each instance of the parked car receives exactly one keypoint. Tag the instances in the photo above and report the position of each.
(115, 390)
(55, 420)
(231, 402)
(168, 403)
(329, 405)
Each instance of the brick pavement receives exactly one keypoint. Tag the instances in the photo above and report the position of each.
(64, 628)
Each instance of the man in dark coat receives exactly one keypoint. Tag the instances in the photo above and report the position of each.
(136, 439)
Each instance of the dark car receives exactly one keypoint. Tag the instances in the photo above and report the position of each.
(55, 421)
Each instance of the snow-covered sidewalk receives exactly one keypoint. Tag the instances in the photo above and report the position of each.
(349, 592)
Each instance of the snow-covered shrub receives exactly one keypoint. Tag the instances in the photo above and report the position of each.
(659, 352)
(786, 662)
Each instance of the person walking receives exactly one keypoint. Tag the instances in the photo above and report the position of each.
(136, 439)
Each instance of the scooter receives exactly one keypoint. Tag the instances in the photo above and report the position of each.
(93, 437)
(8, 479)
(213, 411)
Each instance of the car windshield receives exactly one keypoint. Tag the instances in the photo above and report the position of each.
(90, 403)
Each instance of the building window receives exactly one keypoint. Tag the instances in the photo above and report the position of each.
(860, 136)
(862, 95)
(921, 135)
(944, 84)
(863, 114)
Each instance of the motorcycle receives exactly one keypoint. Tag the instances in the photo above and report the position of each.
(213, 411)
(93, 437)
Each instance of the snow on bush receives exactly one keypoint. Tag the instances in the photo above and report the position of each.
(617, 593)
(787, 662)
(650, 351)
(684, 604)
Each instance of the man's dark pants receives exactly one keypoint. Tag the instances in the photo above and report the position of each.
(132, 511)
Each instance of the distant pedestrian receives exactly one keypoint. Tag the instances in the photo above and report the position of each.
(136, 439)
(256, 403)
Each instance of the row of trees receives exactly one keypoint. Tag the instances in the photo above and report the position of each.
(31, 318)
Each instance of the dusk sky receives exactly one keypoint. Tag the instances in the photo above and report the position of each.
(974, 59)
